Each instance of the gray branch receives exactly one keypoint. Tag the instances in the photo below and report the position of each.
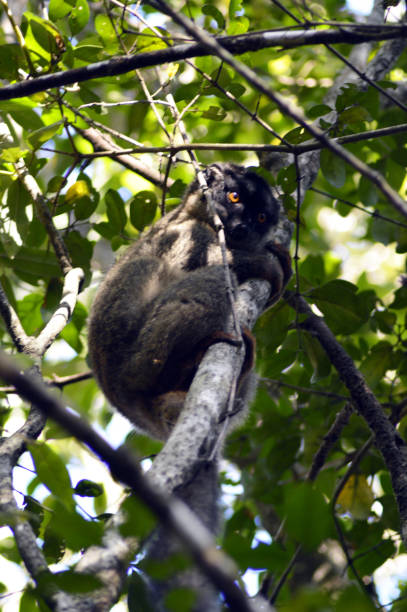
(253, 41)
(199, 426)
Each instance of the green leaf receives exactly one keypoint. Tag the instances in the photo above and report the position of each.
(313, 269)
(271, 328)
(148, 40)
(353, 598)
(376, 364)
(368, 193)
(239, 26)
(347, 97)
(58, 9)
(115, 211)
(54, 546)
(13, 154)
(18, 199)
(22, 111)
(138, 596)
(28, 601)
(35, 234)
(317, 357)
(106, 31)
(385, 320)
(78, 532)
(400, 298)
(180, 599)
(35, 513)
(72, 582)
(297, 135)
(51, 471)
(139, 520)
(11, 60)
(215, 113)
(308, 517)
(37, 138)
(88, 488)
(29, 311)
(143, 208)
(344, 311)
(142, 445)
(333, 168)
(42, 37)
(287, 179)
(89, 50)
(9, 550)
(235, 9)
(318, 111)
(84, 207)
(82, 196)
(79, 16)
(55, 184)
(32, 264)
(372, 558)
(355, 114)
(273, 365)
(72, 332)
(104, 229)
(80, 249)
(215, 14)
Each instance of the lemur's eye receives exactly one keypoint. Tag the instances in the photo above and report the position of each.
(234, 196)
(261, 217)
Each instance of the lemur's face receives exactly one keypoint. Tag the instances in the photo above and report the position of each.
(245, 204)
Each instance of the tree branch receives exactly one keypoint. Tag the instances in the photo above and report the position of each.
(33, 346)
(102, 143)
(171, 512)
(64, 311)
(44, 215)
(13, 324)
(253, 41)
(387, 439)
(198, 427)
(106, 148)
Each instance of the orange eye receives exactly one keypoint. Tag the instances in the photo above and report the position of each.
(234, 196)
(261, 217)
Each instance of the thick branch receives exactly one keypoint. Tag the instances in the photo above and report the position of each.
(25, 539)
(171, 512)
(388, 441)
(64, 311)
(36, 346)
(199, 426)
(253, 41)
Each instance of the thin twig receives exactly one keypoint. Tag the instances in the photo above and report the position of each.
(305, 147)
(44, 215)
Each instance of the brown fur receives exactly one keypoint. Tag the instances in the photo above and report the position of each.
(167, 297)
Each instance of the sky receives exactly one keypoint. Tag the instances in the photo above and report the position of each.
(363, 7)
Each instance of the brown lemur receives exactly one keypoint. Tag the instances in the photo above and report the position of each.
(166, 299)
(158, 310)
